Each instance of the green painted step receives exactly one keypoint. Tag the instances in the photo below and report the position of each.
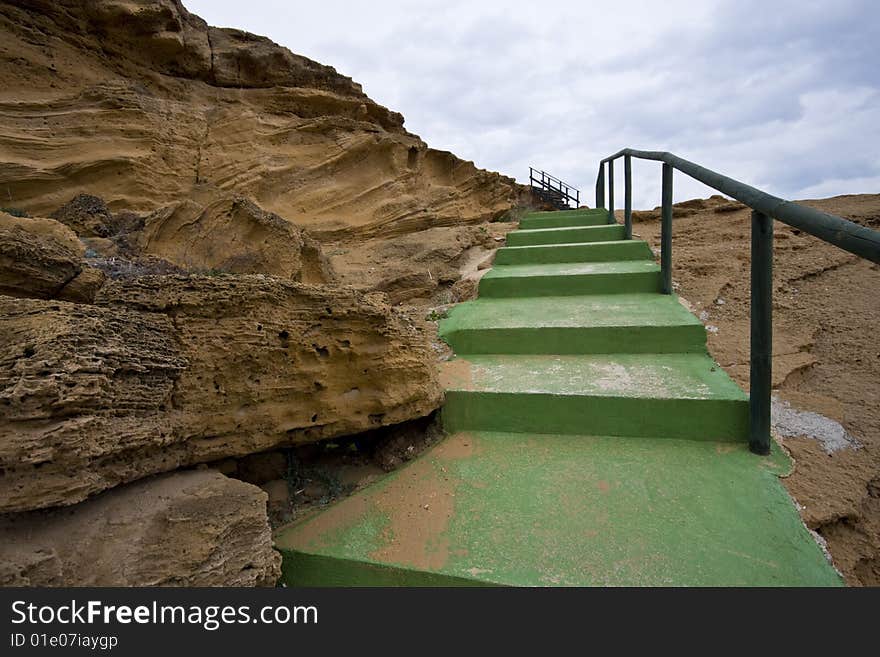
(635, 323)
(566, 235)
(686, 396)
(563, 218)
(527, 509)
(614, 250)
(571, 278)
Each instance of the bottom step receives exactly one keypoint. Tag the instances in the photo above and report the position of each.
(549, 510)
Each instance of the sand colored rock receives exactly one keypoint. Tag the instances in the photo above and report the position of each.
(193, 528)
(432, 266)
(42, 258)
(142, 104)
(170, 371)
(233, 235)
(87, 216)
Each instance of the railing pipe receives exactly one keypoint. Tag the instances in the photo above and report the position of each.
(627, 196)
(666, 231)
(600, 187)
(847, 235)
(760, 361)
(611, 191)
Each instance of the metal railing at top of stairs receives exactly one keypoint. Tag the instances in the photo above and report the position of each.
(544, 181)
(835, 230)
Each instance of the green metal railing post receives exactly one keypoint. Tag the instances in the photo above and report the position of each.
(600, 187)
(666, 231)
(628, 196)
(760, 375)
(611, 219)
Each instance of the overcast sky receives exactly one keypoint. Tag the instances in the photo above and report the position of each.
(784, 95)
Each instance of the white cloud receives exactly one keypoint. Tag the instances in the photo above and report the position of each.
(782, 95)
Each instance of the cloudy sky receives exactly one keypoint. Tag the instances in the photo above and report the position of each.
(782, 94)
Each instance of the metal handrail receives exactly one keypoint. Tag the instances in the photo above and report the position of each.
(545, 182)
(847, 235)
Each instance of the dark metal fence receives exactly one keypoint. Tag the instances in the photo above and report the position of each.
(847, 235)
(552, 189)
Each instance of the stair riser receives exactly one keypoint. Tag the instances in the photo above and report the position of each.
(303, 569)
(690, 338)
(562, 236)
(528, 223)
(566, 285)
(596, 252)
(690, 419)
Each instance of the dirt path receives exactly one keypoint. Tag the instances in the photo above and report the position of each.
(826, 352)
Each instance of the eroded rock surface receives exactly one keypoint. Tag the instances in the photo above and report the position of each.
(170, 371)
(44, 259)
(234, 235)
(144, 105)
(193, 528)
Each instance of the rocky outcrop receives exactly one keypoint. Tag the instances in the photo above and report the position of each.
(144, 105)
(44, 259)
(194, 528)
(201, 170)
(234, 235)
(170, 371)
(163, 36)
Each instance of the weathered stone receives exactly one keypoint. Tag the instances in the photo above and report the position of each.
(87, 216)
(234, 235)
(38, 257)
(193, 528)
(170, 371)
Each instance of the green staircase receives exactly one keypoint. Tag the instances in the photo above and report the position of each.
(593, 441)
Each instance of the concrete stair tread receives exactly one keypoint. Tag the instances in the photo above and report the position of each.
(573, 269)
(595, 323)
(656, 376)
(626, 276)
(600, 310)
(565, 235)
(565, 229)
(529, 509)
(606, 251)
(561, 219)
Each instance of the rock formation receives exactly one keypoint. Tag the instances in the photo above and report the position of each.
(172, 371)
(42, 258)
(144, 105)
(181, 294)
(234, 235)
(195, 528)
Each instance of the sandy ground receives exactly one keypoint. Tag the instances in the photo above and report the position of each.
(826, 354)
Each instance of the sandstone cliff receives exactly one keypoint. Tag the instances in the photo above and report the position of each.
(221, 233)
(142, 104)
